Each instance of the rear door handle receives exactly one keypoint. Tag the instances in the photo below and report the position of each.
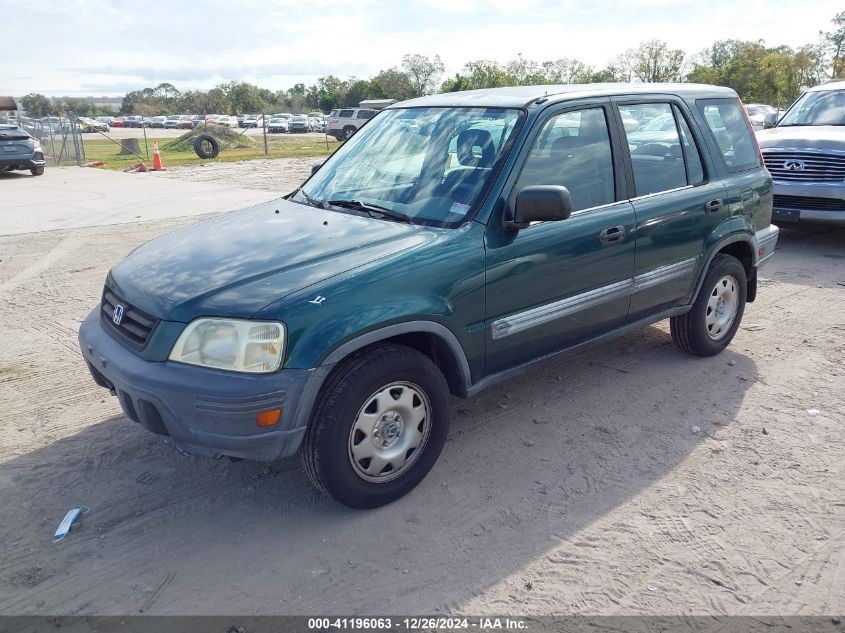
(612, 235)
(713, 206)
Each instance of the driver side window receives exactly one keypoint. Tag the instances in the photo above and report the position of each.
(573, 150)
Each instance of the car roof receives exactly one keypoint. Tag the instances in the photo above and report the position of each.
(521, 96)
(829, 85)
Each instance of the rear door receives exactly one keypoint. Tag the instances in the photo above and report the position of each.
(749, 188)
(677, 201)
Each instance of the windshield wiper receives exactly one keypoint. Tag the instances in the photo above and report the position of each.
(308, 199)
(372, 210)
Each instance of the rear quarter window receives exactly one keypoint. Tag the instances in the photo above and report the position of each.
(345, 114)
(733, 134)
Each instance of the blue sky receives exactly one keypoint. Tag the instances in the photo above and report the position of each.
(111, 46)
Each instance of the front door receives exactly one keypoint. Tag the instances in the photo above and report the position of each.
(555, 284)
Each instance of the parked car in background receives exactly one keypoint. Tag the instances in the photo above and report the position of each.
(226, 120)
(55, 124)
(158, 121)
(758, 113)
(277, 125)
(92, 125)
(20, 151)
(446, 247)
(299, 124)
(240, 118)
(805, 153)
(347, 121)
(134, 121)
(172, 121)
(118, 122)
(317, 123)
(197, 119)
(186, 122)
(252, 120)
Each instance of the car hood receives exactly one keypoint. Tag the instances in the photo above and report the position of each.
(237, 263)
(803, 137)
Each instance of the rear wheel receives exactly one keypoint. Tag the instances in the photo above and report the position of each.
(379, 427)
(37, 171)
(715, 316)
(348, 131)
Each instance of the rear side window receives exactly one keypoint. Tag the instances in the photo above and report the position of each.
(692, 157)
(366, 114)
(734, 136)
(663, 152)
(345, 114)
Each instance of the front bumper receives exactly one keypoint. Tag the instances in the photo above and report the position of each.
(785, 210)
(203, 411)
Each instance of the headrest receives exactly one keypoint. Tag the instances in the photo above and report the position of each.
(468, 141)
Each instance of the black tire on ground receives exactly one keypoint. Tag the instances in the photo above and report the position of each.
(348, 131)
(206, 146)
(37, 171)
(326, 449)
(690, 330)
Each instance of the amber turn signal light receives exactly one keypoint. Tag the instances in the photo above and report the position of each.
(268, 418)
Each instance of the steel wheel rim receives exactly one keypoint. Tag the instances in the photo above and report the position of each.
(722, 307)
(390, 432)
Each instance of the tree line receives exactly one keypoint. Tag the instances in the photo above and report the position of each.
(774, 75)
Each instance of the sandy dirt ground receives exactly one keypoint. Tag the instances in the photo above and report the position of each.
(628, 479)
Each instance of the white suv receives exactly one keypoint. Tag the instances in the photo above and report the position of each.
(344, 122)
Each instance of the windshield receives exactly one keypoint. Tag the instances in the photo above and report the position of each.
(428, 165)
(822, 107)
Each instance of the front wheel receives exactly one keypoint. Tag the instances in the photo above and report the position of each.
(712, 322)
(378, 428)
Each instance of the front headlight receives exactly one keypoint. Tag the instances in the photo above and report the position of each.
(255, 347)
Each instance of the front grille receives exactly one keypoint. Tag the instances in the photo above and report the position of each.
(806, 166)
(808, 203)
(135, 326)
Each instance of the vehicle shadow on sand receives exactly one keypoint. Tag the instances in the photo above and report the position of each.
(527, 465)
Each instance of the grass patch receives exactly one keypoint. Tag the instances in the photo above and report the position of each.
(182, 152)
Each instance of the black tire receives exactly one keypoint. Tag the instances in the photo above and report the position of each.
(326, 450)
(37, 171)
(690, 330)
(348, 131)
(206, 146)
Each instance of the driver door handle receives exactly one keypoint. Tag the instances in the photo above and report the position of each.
(612, 235)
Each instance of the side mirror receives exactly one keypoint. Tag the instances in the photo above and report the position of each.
(770, 120)
(538, 203)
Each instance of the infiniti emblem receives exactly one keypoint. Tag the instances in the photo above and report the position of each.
(117, 316)
(793, 165)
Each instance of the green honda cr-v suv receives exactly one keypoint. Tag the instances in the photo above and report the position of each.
(454, 241)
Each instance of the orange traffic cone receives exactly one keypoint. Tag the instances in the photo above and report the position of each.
(157, 166)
